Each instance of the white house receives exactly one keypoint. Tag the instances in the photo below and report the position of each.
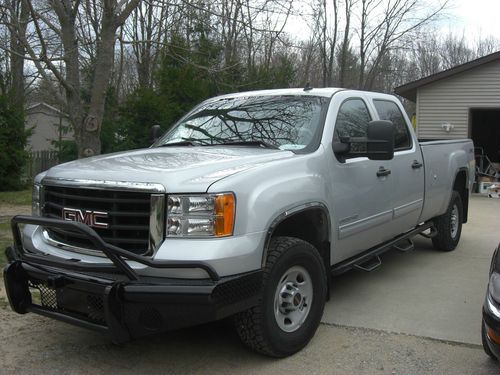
(48, 124)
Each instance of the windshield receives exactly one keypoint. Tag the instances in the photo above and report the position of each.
(284, 122)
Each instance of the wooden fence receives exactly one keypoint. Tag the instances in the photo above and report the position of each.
(39, 161)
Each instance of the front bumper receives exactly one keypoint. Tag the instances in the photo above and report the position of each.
(492, 323)
(114, 299)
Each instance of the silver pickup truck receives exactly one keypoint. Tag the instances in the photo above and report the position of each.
(245, 208)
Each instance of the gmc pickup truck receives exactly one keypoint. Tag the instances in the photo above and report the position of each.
(244, 208)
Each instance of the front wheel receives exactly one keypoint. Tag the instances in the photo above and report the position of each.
(292, 302)
(449, 225)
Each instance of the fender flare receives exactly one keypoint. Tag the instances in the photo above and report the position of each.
(286, 214)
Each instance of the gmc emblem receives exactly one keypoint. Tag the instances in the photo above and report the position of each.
(91, 218)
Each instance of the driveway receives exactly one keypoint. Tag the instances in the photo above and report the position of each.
(417, 314)
(425, 292)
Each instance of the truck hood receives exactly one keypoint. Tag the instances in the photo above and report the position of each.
(179, 169)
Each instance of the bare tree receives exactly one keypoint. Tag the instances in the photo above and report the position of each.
(366, 36)
(455, 51)
(398, 19)
(86, 31)
(345, 46)
(328, 37)
(145, 31)
(19, 17)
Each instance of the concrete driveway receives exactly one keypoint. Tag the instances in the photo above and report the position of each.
(424, 292)
(384, 322)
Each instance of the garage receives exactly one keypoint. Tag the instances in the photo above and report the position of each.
(462, 102)
(485, 132)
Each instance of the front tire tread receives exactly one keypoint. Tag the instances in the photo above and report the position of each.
(250, 324)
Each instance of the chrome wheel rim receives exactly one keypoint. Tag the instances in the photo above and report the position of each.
(454, 221)
(293, 299)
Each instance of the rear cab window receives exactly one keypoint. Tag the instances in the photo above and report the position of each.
(388, 110)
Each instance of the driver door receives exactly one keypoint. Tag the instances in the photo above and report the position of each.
(360, 188)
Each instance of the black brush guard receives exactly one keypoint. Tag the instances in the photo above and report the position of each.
(112, 297)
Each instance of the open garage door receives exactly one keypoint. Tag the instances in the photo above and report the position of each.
(485, 132)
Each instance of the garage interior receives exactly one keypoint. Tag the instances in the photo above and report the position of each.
(485, 132)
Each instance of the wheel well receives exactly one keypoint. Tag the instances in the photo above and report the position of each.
(311, 225)
(460, 186)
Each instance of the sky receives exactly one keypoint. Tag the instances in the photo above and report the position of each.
(475, 18)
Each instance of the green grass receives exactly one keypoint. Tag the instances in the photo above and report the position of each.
(18, 198)
(5, 240)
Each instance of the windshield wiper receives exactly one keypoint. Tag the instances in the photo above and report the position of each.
(250, 143)
(180, 143)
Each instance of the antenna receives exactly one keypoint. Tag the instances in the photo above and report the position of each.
(308, 87)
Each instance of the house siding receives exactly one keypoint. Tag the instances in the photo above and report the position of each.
(44, 125)
(450, 100)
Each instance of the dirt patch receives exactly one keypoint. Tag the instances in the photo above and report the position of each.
(9, 210)
(37, 345)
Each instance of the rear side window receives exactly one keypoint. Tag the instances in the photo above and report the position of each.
(388, 110)
(352, 121)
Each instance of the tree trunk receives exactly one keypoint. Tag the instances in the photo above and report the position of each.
(19, 16)
(345, 44)
(89, 142)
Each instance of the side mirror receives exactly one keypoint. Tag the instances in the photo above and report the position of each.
(155, 133)
(380, 145)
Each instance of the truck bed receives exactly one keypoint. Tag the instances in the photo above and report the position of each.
(444, 158)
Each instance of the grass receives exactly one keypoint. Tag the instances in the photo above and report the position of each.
(9, 198)
(5, 240)
(17, 198)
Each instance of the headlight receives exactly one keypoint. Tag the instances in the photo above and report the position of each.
(495, 262)
(36, 200)
(494, 287)
(204, 215)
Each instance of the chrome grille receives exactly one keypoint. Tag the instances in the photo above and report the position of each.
(128, 216)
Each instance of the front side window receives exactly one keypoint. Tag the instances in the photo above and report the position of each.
(388, 110)
(352, 121)
(284, 122)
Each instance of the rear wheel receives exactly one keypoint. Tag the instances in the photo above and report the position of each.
(292, 302)
(449, 225)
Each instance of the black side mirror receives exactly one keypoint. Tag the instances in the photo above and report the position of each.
(155, 133)
(380, 145)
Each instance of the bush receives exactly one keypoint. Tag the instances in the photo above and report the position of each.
(13, 138)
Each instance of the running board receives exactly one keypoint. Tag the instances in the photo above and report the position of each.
(364, 257)
(370, 265)
(405, 246)
(433, 233)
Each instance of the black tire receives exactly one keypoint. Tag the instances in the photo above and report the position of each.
(447, 237)
(486, 348)
(258, 327)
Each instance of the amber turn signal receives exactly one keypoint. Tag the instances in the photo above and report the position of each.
(495, 337)
(224, 214)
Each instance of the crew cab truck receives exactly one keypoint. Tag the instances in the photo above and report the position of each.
(245, 208)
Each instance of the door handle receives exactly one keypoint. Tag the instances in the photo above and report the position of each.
(383, 172)
(416, 164)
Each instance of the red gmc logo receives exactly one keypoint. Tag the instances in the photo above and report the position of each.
(91, 218)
